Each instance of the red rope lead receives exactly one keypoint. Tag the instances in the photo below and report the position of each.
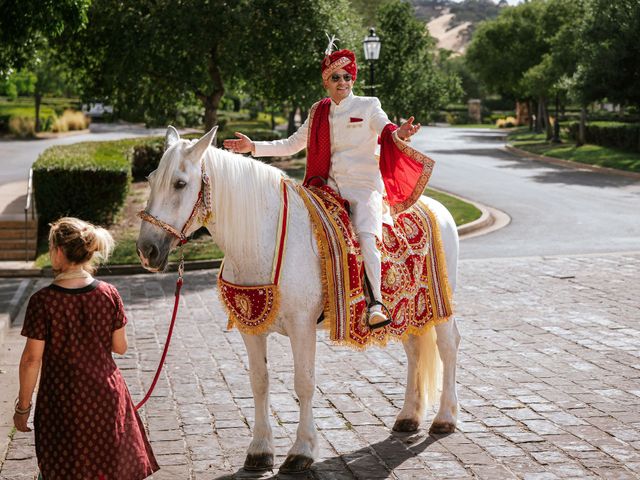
(166, 344)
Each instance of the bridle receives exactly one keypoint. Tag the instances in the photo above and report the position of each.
(203, 206)
(203, 203)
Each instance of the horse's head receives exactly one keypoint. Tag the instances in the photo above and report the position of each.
(171, 207)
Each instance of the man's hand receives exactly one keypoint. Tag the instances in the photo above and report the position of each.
(407, 129)
(243, 145)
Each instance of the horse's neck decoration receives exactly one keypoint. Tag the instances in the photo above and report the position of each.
(254, 308)
(246, 199)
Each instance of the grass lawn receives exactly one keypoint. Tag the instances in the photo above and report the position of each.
(462, 212)
(567, 150)
(25, 106)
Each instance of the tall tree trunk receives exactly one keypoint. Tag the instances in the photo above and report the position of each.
(530, 113)
(291, 124)
(583, 126)
(539, 117)
(38, 97)
(303, 115)
(547, 120)
(211, 101)
(211, 104)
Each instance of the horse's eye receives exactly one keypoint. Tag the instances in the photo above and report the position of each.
(179, 184)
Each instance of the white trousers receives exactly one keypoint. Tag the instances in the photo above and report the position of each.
(372, 263)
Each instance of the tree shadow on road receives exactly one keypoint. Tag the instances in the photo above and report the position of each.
(393, 451)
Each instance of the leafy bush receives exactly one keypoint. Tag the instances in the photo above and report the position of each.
(146, 155)
(70, 120)
(609, 134)
(457, 118)
(145, 158)
(89, 180)
(508, 122)
(4, 123)
(22, 127)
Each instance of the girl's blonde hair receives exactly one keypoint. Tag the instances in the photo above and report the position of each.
(81, 242)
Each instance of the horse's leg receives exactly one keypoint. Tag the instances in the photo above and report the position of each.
(448, 342)
(260, 451)
(304, 450)
(423, 368)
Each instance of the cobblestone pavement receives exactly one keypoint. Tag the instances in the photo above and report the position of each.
(549, 382)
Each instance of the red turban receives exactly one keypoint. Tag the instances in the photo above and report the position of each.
(344, 59)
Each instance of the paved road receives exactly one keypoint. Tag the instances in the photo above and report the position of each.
(554, 210)
(549, 382)
(17, 156)
(548, 372)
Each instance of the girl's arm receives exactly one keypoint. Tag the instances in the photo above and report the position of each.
(29, 368)
(119, 342)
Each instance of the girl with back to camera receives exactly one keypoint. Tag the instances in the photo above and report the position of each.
(86, 426)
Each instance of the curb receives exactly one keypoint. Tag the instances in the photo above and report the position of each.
(491, 219)
(15, 304)
(570, 164)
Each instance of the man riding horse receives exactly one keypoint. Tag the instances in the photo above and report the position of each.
(341, 134)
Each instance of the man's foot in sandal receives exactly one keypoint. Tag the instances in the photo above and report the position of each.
(377, 318)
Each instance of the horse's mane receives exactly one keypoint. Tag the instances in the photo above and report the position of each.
(240, 192)
(241, 188)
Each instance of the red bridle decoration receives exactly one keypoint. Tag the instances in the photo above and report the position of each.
(204, 199)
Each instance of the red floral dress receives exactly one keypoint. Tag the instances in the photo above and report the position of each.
(86, 426)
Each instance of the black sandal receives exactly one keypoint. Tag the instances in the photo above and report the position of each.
(383, 323)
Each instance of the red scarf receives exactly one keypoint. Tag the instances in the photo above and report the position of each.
(405, 171)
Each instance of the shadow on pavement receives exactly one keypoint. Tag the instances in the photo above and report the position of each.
(496, 153)
(487, 138)
(585, 178)
(393, 451)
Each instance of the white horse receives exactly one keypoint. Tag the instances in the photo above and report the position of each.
(246, 199)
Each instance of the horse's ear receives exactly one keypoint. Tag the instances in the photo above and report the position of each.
(197, 150)
(171, 137)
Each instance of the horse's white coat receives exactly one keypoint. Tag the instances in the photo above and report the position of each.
(246, 199)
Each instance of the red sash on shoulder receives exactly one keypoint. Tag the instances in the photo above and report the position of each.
(405, 171)
(318, 145)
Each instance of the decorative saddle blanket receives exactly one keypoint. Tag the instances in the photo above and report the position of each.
(415, 287)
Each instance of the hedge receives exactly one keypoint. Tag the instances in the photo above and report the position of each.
(89, 180)
(613, 135)
(146, 156)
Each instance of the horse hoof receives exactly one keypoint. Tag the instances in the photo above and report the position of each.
(296, 464)
(445, 427)
(258, 462)
(406, 425)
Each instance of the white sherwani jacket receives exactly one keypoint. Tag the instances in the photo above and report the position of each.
(355, 124)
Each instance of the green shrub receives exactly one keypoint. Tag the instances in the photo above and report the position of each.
(145, 158)
(146, 155)
(508, 122)
(70, 120)
(609, 134)
(22, 127)
(88, 180)
(457, 118)
(4, 123)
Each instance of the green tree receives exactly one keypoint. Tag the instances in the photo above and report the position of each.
(151, 56)
(609, 65)
(527, 52)
(408, 80)
(24, 24)
(284, 67)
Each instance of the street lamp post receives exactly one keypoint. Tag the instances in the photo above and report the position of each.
(371, 45)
